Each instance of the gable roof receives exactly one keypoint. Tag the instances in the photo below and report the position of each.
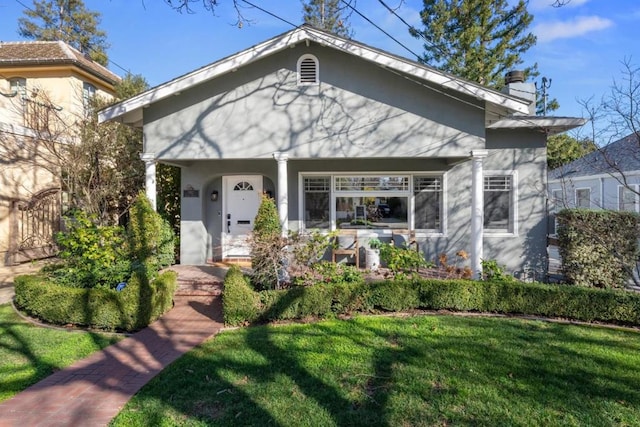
(130, 111)
(40, 53)
(622, 155)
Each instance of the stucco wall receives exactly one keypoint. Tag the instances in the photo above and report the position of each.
(523, 152)
(357, 110)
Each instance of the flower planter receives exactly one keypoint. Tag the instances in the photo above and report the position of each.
(373, 259)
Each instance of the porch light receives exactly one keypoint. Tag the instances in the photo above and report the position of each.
(214, 196)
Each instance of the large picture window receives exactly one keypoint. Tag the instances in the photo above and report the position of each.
(373, 202)
(498, 203)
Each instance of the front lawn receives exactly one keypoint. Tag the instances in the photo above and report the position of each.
(422, 370)
(29, 353)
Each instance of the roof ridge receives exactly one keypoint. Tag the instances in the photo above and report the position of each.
(66, 48)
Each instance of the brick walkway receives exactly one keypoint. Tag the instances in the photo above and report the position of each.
(93, 390)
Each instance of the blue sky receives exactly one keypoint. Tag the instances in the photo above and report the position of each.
(580, 46)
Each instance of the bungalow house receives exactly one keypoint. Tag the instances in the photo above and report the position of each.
(344, 135)
(44, 89)
(608, 178)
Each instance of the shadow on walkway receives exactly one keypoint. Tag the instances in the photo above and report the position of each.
(93, 390)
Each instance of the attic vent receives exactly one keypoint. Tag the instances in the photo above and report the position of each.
(308, 70)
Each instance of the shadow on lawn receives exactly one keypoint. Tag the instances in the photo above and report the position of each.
(461, 371)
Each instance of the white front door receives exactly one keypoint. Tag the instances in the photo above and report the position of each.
(241, 202)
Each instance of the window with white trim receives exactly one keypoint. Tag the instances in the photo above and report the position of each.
(629, 198)
(88, 93)
(557, 204)
(499, 203)
(19, 86)
(373, 201)
(428, 202)
(317, 195)
(583, 198)
(308, 70)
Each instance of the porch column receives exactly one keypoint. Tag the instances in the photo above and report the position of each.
(149, 160)
(283, 194)
(477, 212)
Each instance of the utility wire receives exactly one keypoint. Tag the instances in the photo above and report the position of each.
(382, 30)
(413, 30)
(270, 13)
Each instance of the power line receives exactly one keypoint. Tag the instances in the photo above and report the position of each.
(413, 30)
(380, 29)
(269, 13)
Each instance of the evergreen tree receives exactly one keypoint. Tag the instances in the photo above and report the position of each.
(66, 20)
(479, 40)
(563, 148)
(328, 15)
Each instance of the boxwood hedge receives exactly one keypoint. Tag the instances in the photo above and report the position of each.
(326, 300)
(138, 304)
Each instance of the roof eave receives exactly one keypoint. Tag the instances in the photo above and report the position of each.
(551, 125)
(298, 35)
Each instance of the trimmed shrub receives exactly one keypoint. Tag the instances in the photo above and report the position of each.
(267, 247)
(151, 239)
(93, 255)
(131, 309)
(240, 302)
(598, 248)
(536, 299)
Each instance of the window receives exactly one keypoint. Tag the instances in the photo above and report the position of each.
(372, 201)
(243, 186)
(317, 192)
(428, 202)
(628, 198)
(18, 85)
(308, 73)
(583, 198)
(499, 203)
(557, 201)
(88, 93)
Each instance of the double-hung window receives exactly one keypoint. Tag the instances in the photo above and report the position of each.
(18, 85)
(500, 203)
(88, 93)
(583, 198)
(428, 202)
(317, 194)
(629, 198)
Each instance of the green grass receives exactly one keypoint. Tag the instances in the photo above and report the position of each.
(416, 371)
(29, 353)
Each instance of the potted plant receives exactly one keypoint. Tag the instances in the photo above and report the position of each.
(373, 254)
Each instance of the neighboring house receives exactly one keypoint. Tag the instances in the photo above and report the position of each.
(44, 90)
(344, 135)
(608, 178)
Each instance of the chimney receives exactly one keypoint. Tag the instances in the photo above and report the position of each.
(516, 86)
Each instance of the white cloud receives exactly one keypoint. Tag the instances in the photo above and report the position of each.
(581, 25)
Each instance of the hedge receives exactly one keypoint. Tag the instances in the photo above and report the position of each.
(131, 309)
(598, 247)
(564, 301)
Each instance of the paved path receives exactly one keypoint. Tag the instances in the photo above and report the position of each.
(93, 390)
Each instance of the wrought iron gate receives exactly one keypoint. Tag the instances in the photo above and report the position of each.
(34, 224)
